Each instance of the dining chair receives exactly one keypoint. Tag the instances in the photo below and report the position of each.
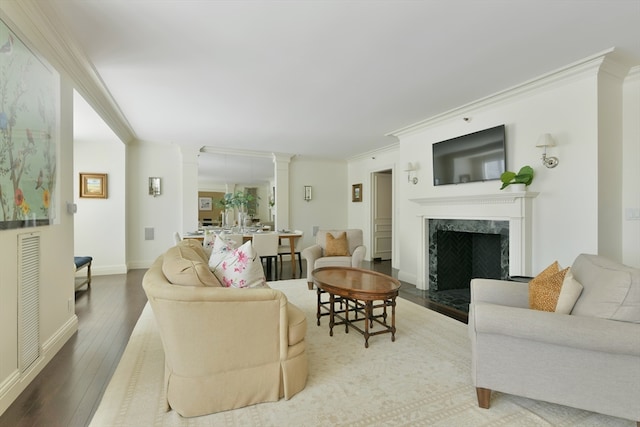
(266, 245)
(284, 249)
(176, 238)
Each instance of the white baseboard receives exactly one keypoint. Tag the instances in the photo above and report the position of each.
(15, 383)
(134, 265)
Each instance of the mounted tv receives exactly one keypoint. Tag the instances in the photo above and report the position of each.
(478, 156)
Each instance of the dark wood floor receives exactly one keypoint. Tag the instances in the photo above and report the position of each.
(67, 392)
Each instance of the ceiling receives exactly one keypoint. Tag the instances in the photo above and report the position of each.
(325, 78)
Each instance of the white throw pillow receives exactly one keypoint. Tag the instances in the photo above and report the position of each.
(569, 294)
(220, 251)
(241, 269)
(207, 243)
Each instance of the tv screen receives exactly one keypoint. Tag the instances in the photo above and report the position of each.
(478, 156)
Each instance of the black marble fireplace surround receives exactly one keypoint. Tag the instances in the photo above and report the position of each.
(460, 250)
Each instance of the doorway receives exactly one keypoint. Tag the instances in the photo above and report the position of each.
(382, 213)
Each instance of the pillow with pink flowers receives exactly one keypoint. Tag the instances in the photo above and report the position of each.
(241, 269)
(220, 250)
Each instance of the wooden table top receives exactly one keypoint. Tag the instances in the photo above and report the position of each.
(356, 283)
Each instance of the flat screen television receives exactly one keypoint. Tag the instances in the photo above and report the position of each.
(478, 156)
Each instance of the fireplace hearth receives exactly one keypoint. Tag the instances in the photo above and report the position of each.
(507, 214)
(460, 250)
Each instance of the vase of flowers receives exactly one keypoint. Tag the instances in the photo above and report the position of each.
(238, 200)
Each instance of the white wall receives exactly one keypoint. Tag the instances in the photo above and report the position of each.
(330, 196)
(58, 321)
(567, 213)
(164, 214)
(361, 171)
(100, 223)
(631, 169)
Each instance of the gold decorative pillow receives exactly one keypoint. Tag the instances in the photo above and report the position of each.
(337, 246)
(544, 289)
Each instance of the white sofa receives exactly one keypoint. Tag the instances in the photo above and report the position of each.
(316, 256)
(589, 359)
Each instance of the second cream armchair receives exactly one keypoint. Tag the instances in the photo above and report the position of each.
(316, 255)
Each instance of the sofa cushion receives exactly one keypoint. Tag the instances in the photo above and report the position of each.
(544, 289)
(569, 294)
(297, 324)
(182, 265)
(334, 261)
(241, 269)
(611, 290)
(337, 246)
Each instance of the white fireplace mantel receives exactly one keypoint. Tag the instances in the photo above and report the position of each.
(512, 206)
(505, 197)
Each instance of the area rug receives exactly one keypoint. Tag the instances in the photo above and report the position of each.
(421, 379)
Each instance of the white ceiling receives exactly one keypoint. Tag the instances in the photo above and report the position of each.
(326, 78)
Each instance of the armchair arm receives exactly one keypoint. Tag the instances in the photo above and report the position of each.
(311, 254)
(501, 292)
(589, 333)
(358, 256)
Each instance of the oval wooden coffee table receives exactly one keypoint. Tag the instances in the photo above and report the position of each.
(357, 289)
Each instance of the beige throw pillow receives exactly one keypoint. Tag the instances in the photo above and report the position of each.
(182, 265)
(544, 289)
(337, 246)
(196, 246)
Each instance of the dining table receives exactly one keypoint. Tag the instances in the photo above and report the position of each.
(246, 236)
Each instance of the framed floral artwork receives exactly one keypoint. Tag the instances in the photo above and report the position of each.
(29, 111)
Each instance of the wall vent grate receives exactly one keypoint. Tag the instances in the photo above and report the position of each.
(29, 299)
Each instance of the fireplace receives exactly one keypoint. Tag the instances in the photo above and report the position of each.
(505, 214)
(460, 250)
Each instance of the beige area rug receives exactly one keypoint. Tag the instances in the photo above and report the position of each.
(421, 379)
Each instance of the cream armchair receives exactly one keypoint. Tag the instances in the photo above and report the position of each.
(589, 359)
(316, 255)
(226, 348)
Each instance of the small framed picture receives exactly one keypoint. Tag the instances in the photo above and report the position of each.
(93, 185)
(205, 203)
(356, 193)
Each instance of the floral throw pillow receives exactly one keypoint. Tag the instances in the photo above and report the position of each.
(241, 269)
(207, 242)
(220, 250)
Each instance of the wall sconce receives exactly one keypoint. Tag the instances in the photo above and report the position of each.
(307, 193)
(410, 170)
(546, 140)
(154, 186)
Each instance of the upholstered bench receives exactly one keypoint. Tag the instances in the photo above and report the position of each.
(80, 263)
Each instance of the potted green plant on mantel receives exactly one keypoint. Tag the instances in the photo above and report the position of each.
(518, 181)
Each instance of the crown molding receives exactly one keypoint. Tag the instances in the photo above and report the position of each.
(377, 152)
(585, 67)
(38, 22)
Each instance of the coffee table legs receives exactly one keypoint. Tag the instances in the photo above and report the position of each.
(368, 319)
(318, 313)
(332, 300)
(393, 318)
